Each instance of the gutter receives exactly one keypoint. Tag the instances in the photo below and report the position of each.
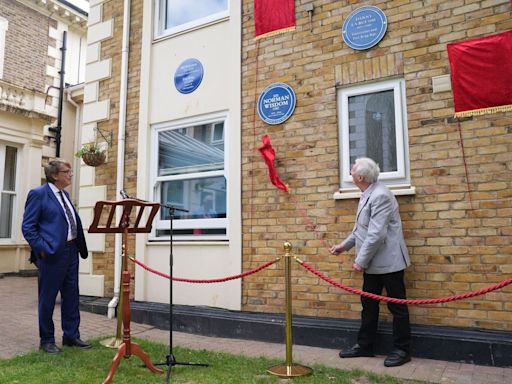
(78, 112)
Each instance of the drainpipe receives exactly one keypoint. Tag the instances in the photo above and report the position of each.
(78, 111)
(120, 153)
(58, 128)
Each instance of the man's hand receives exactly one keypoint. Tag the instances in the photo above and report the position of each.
(357, 267)
(336, 249)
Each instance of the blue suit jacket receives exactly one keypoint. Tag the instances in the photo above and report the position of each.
(45, 226)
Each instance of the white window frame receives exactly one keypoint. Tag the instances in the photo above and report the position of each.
(15, 193)
(399, 180)
(205, 223)
(217, 141)
(160, 12)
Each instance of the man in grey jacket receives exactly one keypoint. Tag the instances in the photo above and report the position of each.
(382, 256)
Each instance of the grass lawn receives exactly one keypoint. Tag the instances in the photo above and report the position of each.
(92, 366)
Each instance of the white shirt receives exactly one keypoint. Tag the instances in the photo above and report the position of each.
(366, 193)
(56, 191)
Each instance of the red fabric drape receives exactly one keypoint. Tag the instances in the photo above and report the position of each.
(269, 155)
(273, 16)
(481, 74)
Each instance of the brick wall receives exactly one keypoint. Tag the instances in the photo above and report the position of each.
(109, 89)
(458, 241)
(26, 46)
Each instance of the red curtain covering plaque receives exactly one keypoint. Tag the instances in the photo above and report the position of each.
(481, 75)
(272, 17)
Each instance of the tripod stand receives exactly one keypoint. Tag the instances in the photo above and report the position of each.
(128, 224)
(170, 358)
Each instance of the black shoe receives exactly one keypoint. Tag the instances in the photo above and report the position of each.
(396, 358)
(76, 343)
(49, 348)
(357, 351)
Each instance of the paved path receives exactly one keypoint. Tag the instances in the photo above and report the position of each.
(19, 334)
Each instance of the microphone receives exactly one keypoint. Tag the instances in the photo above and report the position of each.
(124, 195)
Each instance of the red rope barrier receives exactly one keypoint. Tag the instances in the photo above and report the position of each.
(460, 296)
(203, 281)
(359, 292)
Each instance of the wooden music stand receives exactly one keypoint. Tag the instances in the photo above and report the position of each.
(127, 347)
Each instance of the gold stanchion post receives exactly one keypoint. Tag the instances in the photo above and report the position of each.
(288, 369)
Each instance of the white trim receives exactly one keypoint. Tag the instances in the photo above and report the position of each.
(401, 175)
(354, 193)
(157, 180)
(4, 26)
(100, 32)
(161, 32)
(58, 11)
(14, 193)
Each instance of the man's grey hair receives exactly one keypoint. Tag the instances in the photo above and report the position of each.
(368, 169)
(53, 167)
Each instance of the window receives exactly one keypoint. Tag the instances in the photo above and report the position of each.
(175, 16)
(372, 123)
(190, 179)
(8, 157)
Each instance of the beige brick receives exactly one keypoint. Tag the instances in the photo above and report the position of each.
(457, 240)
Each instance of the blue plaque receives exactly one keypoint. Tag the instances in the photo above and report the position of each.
(276, 103)
(188, 76)
(364, 27)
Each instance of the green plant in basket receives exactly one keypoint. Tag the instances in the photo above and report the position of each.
(92, 154)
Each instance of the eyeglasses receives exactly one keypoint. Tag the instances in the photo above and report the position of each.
(69, 172)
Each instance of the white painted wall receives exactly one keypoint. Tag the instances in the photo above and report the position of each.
(218, 48)
(75, 57)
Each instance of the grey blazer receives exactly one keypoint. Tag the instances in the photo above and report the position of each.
(377, 233)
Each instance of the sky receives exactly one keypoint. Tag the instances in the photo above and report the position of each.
(182, 12)
(84, 4)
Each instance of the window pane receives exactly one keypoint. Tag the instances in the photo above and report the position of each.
(184, 11)
(191, 178)
(6, 212)
(202, 197)
(10, 169)
(372, 128)
(218, 135)
(189, 150)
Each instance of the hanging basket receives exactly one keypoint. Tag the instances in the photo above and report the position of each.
(94, 158)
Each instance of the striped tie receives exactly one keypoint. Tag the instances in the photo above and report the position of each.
(71, 219)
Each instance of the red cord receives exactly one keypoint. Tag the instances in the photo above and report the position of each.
(468, 184)
(220, 280)
(461, 296)
(359, 292)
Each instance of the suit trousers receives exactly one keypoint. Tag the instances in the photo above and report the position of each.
(59, 273)
(395, 287)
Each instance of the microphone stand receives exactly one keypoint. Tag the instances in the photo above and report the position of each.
(170, 359)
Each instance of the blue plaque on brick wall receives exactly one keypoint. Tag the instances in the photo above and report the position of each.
(364, 27)
(276, 103)
(188, 76)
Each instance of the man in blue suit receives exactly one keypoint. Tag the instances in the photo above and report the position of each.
(381, 254)
(53, 229)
